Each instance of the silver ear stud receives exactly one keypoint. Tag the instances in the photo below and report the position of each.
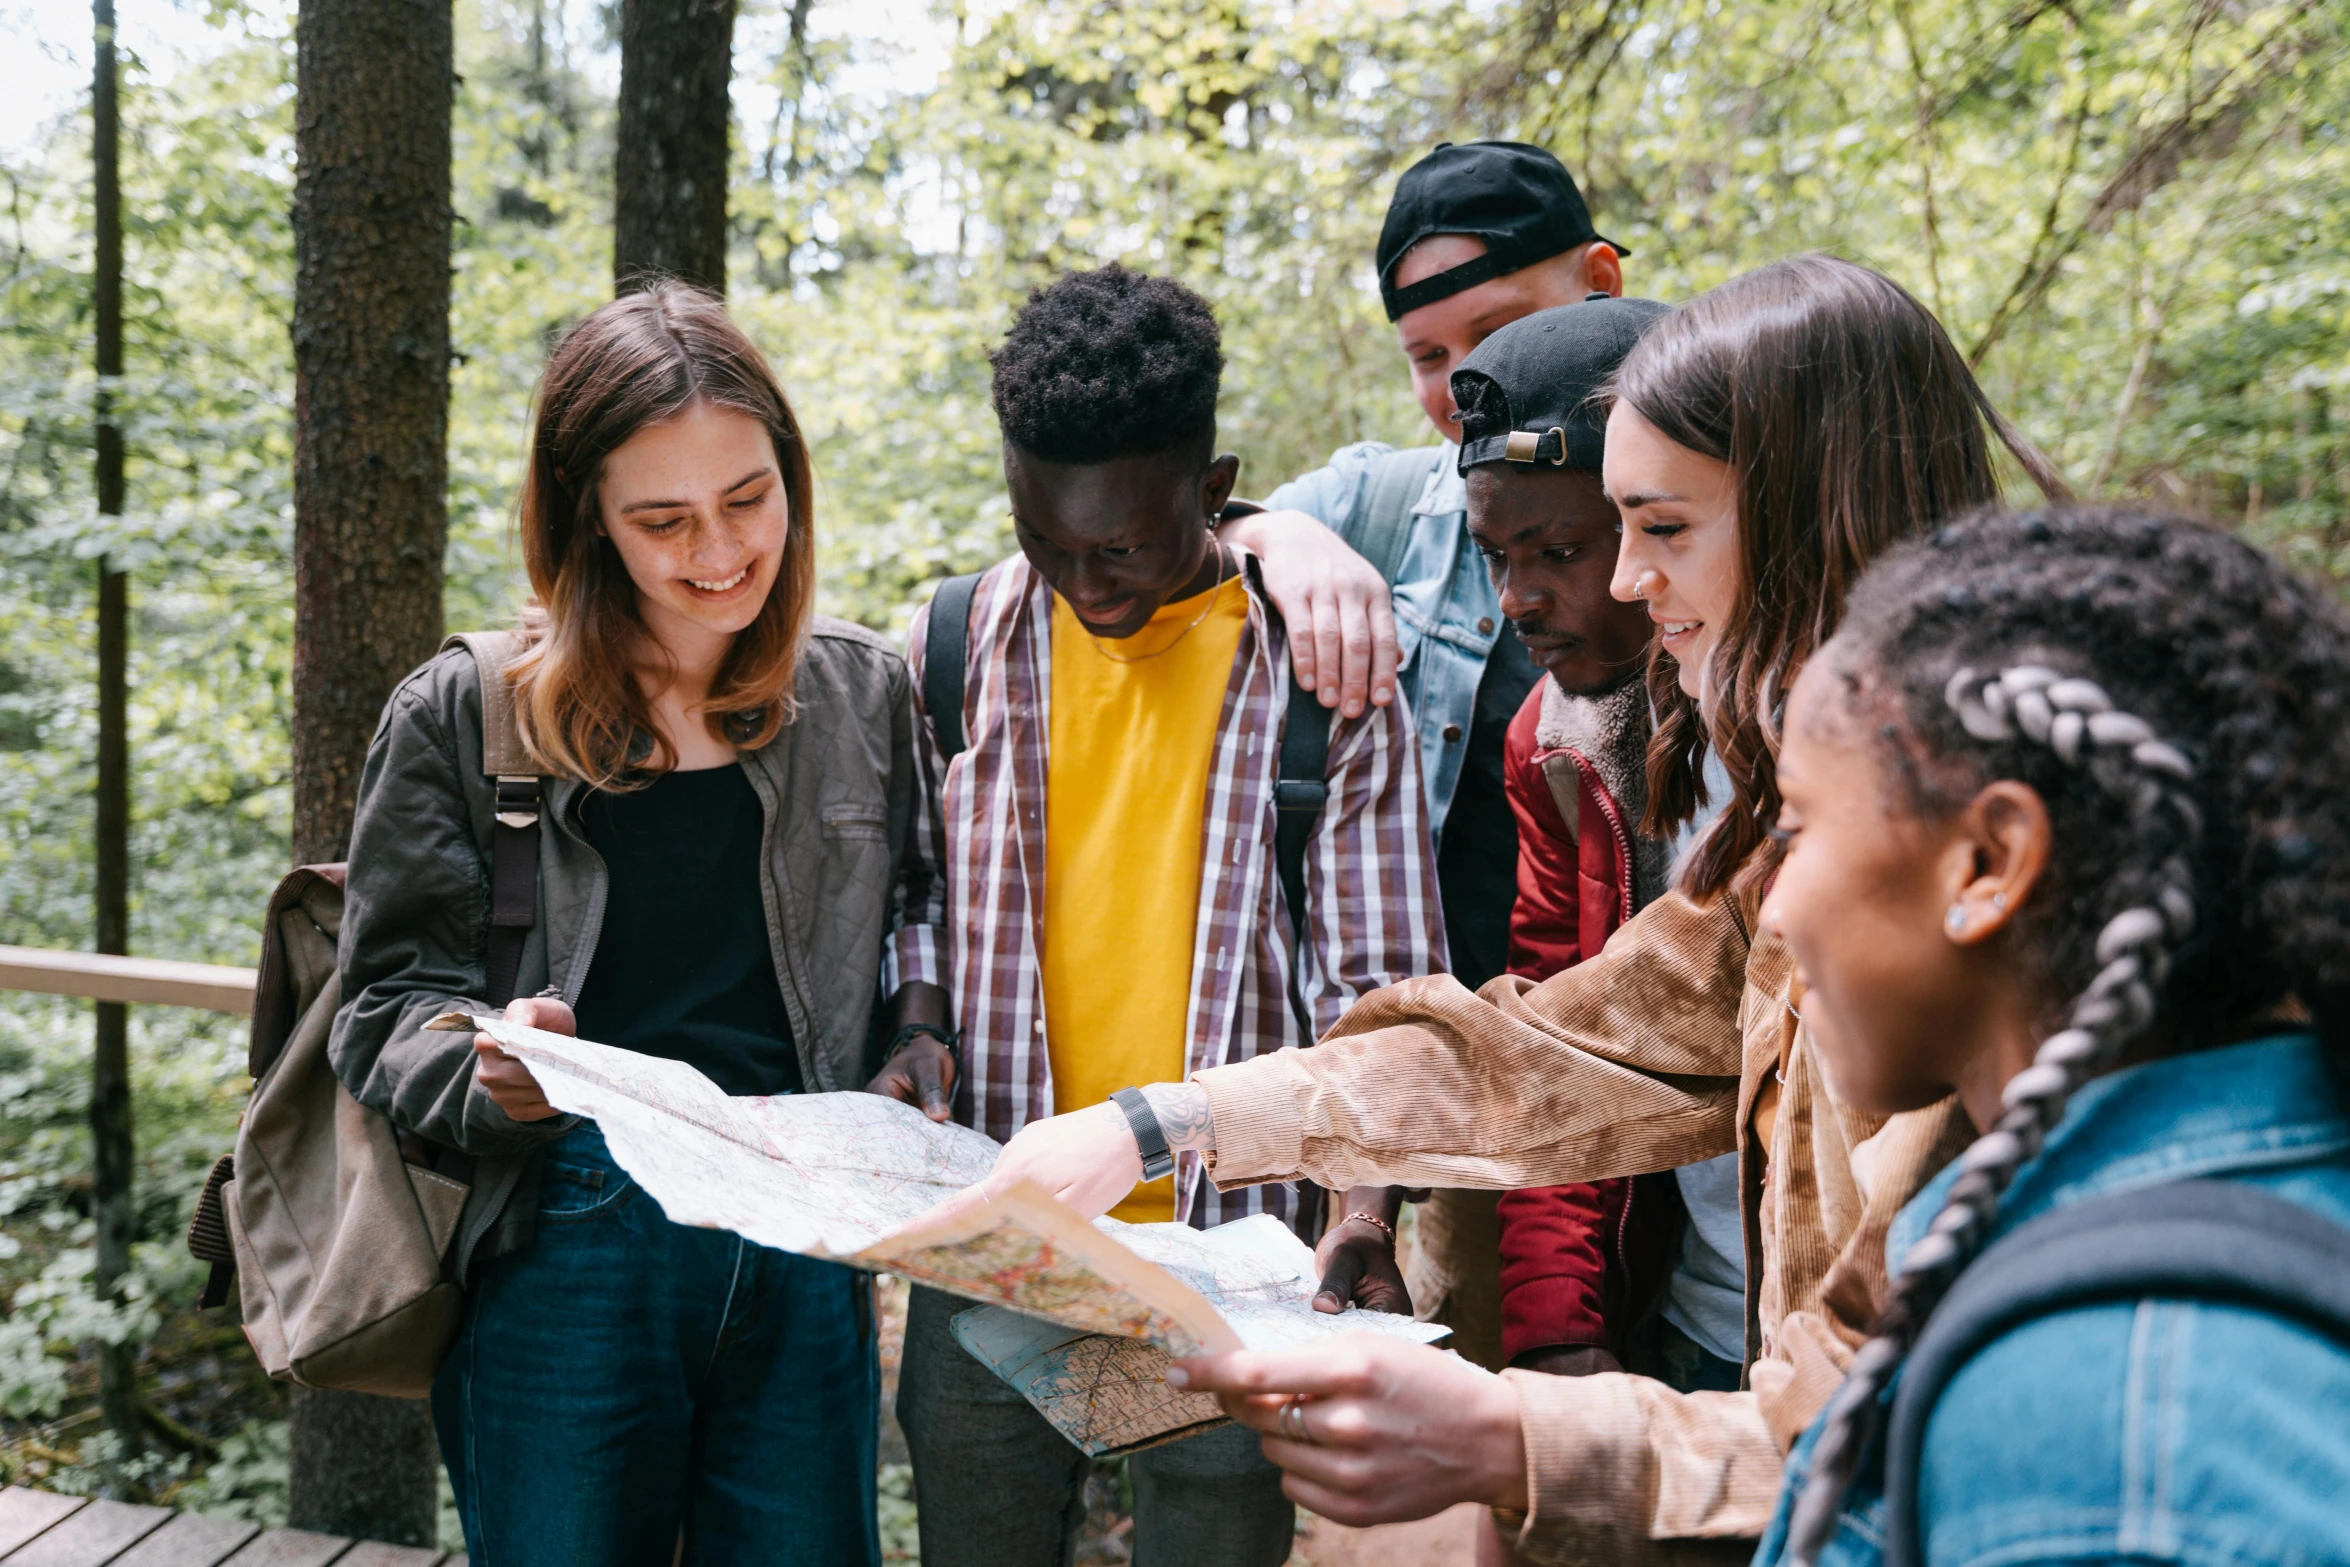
(1955, 921)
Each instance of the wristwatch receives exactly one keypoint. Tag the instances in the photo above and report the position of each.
(1149, 1137)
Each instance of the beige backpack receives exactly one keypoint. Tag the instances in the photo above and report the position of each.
(331, 1219)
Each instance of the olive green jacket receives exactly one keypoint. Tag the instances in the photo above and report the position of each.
(837, 789)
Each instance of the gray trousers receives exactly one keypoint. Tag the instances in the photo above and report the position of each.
(996, 1486)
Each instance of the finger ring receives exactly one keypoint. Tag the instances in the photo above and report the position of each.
(1293, 1420)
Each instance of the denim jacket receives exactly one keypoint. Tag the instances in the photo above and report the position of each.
(1447, 613)
(2153, 1431)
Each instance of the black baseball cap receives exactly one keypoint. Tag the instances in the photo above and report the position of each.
(1525, 393)
(1517, 198)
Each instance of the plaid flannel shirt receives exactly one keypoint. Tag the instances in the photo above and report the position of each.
(975, 902)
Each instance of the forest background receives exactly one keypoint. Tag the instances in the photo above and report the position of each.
(2130, 215)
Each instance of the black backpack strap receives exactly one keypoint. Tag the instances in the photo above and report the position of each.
(1299, 793)
(2196, 1240)
(514, 838)
(946, 658)
(514, 881)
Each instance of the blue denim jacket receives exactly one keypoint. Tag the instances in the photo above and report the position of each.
(2159, 1431)
(1447, 614)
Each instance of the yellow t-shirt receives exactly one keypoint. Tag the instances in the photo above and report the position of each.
(1126, 783)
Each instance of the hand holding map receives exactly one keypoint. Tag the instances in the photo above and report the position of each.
(855, 1178)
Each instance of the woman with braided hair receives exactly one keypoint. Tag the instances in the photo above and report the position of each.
(2066, 807)
(1766, 442)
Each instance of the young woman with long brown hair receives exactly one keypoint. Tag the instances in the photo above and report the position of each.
(1765, 443)
(728, 782)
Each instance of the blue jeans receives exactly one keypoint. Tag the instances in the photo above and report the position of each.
(626, 1382)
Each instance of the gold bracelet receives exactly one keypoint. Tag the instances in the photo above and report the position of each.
(1375, 1222)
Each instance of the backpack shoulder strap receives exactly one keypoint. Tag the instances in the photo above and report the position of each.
(502, 750)
(1301, 788)
(946, 657)
(1381, 526)
(1299, 792)
(514, 841)
(2198, 1240)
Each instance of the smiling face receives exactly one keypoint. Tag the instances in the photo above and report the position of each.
(1118, 539)
(696, 508)
(1548, 537)
(1680, 550)
(1900, 925)
(1437, 337)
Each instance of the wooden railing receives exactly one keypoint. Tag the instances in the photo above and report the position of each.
(151, 981)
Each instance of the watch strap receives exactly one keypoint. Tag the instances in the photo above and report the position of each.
(1149, 1137)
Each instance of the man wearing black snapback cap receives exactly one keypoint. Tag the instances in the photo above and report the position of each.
(1478, 235)
(1645, 1273)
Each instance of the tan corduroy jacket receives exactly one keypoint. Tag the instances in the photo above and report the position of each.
(1651, 1055)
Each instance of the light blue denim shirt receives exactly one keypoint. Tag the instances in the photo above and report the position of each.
(1447, 613)
(2155, 1431)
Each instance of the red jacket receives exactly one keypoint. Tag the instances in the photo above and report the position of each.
(1576, 1269)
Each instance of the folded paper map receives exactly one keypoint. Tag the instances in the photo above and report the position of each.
(855, 1178)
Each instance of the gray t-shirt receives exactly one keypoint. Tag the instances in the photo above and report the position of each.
(1707, 1296)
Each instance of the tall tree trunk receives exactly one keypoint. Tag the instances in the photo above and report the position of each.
(376, 84)
(110, 1071)
(670, 165)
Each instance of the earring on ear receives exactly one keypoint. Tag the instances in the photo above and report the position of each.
(1955, 921)
(1999, 901)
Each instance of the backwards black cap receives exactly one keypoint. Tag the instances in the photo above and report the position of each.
(1525, 393)
(1518, 199)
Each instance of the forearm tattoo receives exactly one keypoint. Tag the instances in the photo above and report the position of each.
(1182, 1109)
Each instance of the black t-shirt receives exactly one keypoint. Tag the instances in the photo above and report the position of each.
(1477, 864)
(682, 966)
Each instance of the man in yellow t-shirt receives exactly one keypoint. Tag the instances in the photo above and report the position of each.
(1108, 881)
(1134, 723)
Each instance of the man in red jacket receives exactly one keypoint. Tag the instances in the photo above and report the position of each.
(1590, 1273)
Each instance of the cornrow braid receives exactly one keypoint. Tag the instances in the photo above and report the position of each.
(2121, 752)
(2181, 705)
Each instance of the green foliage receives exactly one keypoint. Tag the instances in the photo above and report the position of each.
(247, 1480)
(900, 1542)
(2129, 214)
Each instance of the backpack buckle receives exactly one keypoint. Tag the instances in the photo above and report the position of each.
(1300, 794)
(518, 800)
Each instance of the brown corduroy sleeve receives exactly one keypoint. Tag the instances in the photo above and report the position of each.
(1624, 1064)
(1618, 1467)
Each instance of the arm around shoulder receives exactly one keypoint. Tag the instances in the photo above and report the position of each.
(1331, 491)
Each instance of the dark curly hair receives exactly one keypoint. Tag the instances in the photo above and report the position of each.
(2182, 704)
(1109, 364)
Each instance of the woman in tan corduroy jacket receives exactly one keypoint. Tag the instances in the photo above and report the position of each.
(1766, 442)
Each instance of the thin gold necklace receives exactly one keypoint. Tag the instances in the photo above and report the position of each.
(1100, 645)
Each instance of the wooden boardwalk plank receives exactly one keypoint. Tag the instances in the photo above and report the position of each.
(25, 1515)
(374, 1553)
(189, 1540)
(91, 1536)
